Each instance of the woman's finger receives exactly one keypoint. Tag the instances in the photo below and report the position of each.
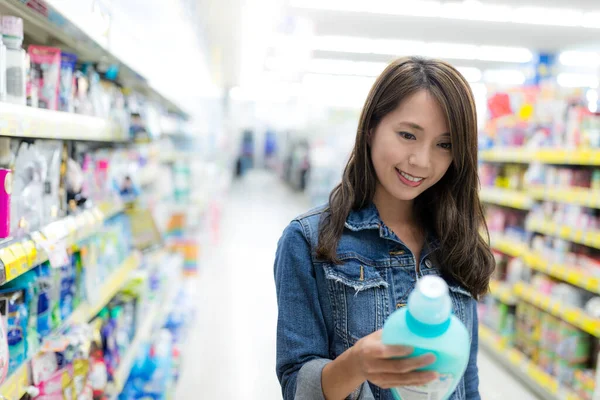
(416, 378)
(402, 366)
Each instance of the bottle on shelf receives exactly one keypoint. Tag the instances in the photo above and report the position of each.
(12, 37)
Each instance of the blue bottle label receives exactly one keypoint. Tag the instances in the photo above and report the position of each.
(435, 390)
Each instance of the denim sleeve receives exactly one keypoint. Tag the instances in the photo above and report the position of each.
(302, 340)
(472, 373)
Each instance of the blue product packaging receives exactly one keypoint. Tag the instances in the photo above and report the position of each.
(13, 306)
(66, 94)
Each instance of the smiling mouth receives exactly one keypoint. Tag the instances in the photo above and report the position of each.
(408, 177)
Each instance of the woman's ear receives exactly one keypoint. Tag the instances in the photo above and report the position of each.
(370, 137)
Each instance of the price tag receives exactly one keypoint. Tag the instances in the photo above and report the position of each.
(572, 316)
(11, 264)
(90, 221)
(58, 255)
(98, 215)
(30, 252)
(81, 226)
(22, 264)
(10, 390)
(71, 226)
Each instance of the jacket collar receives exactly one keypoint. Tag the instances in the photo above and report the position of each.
(365, 218)
(368, 218)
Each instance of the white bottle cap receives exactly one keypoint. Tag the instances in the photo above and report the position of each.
(12, 27)
(430, 302)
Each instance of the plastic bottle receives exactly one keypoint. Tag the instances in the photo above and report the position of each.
(427, 325)
(12, 36)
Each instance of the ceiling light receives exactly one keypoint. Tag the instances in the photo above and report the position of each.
(465, 10)
(504, 76)
(345, 67)
(459, 51)
(579, 59)
(573, 80)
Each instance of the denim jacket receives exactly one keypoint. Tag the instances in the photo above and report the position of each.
(324, 308)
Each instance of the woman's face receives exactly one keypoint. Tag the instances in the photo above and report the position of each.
(411, 148)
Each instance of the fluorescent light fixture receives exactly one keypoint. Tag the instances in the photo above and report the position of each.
(504, 54)
(471, 74)
(345, 67)
(465, 10)
(459, 51)
(573, 80)
(504, 76)
(579, 59)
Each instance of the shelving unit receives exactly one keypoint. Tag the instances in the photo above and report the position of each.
(580, 196)
(506, 197)
(575, 316)
(563, 272)
(17, 384)
(544, 385)
(53, 28)
(580, 236)
(20, 255)
(546, 156)
(508, 246)
(502, 292)
(155, 317)
(34, 123)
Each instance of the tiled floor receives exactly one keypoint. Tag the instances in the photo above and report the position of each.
(232, 353)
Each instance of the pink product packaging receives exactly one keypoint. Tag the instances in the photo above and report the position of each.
(5, 193)
(54, 385)
(45, 75)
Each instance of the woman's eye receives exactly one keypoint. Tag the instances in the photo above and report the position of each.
(446, 146)
(406, 135)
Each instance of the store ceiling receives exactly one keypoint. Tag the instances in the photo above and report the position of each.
(226, 22)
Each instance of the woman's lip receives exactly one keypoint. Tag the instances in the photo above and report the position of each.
(406, 181)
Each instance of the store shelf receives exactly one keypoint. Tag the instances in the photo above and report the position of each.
(20, 256)
(573, 315)
(16, 385)
(508, 154)
(506, 197)
(587, 238)
(156, 317)
(508, 246)
(542, 383)
(52, 28)
(546, 156)
(563, 272)
(86, 311)
(502, 292)
(35, 123)
(579, 196)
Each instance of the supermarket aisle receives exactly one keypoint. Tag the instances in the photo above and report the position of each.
(233, 351)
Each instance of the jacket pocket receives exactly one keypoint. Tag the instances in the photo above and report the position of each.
(359, 299)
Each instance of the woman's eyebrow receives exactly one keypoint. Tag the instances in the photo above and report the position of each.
(412, 125)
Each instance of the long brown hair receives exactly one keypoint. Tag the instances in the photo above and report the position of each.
(451, 208)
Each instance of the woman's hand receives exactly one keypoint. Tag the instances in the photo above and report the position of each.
(375, 363)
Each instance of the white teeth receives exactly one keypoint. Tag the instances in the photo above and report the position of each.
(410, 177)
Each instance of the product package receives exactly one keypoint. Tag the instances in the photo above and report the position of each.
(14, 309)
(68, 62)
(45, 72)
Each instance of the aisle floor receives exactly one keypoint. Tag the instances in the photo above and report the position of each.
(232, 351)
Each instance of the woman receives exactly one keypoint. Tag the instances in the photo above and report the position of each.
(407, 206)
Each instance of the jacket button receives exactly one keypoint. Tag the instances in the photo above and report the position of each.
(428, 263)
